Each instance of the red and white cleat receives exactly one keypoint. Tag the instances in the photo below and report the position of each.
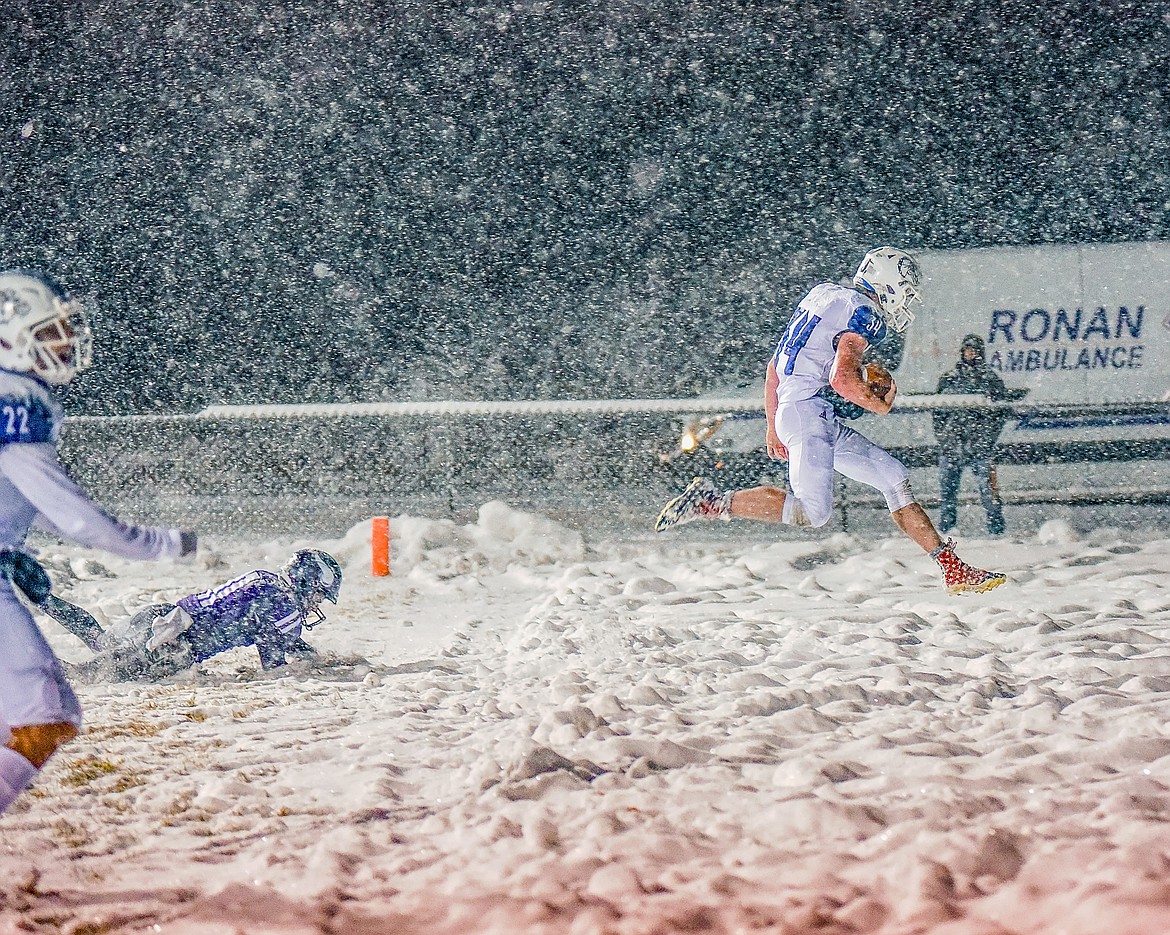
(701, 500)
(961, 578)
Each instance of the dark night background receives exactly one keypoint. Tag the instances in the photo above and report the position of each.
(330, 201)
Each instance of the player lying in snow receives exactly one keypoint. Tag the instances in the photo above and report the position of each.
(260, 608)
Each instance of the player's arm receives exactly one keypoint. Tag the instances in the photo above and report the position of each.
(939, 418)
(64, 508)
(776, 449)
(269, 643)
(276, 628)
(845, 375)
(271, 656)
(276, 648)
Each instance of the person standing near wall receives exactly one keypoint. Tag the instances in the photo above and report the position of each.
(967, 437)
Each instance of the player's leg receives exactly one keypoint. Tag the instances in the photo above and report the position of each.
(949, 473)
(808, 430)
(703, 500)
(127, 655)
(764, 503)
(36, 703)
(76, 620)
(30, 578)
(860, 459)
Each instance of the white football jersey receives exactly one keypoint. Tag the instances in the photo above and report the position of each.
(805, 354)
(34, 487)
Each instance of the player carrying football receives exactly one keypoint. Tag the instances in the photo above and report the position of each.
(823, 347)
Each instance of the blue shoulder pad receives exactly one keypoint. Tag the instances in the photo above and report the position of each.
(24, 419)
(868, 322)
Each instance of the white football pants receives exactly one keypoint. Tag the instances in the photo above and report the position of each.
(33, 687)
(817, 446)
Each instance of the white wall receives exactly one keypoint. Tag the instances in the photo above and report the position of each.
(1072, 324)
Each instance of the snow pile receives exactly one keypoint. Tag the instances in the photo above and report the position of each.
(440, 549)
(688, 734)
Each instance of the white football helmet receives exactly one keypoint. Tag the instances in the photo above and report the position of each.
(892, 276)
(42, 330)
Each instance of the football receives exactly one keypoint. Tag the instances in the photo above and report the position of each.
(877, 378)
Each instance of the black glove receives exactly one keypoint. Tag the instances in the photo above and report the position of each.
(842, 406)
(26, 573)
(300, 649)
(188, 543)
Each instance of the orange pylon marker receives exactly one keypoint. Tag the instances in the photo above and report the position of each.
(380, 546)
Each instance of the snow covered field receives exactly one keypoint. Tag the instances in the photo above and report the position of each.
(530, 729)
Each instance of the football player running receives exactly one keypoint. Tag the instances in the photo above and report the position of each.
(822, 348)
(261, 608)
(44, 342)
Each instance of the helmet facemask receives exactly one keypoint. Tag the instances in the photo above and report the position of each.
(43, 331)
(63, 346)
(893, 278)
(314, 615)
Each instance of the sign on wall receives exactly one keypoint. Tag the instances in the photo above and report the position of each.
(1071, 324)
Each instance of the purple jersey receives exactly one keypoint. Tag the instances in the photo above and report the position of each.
(256, 609)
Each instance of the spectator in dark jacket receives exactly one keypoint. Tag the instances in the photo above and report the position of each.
(967, 437)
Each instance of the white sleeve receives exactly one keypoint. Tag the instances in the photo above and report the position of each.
(35, 471)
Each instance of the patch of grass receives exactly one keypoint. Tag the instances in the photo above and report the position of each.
(179, 806)
(83, 771)
(125, 729)
(70, 834)
(103, 926)
(258, 771)
(129, 779)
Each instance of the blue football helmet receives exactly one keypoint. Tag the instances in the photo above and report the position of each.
(315, 576)
(43, 330)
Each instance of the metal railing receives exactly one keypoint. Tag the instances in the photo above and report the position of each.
(466, 452)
